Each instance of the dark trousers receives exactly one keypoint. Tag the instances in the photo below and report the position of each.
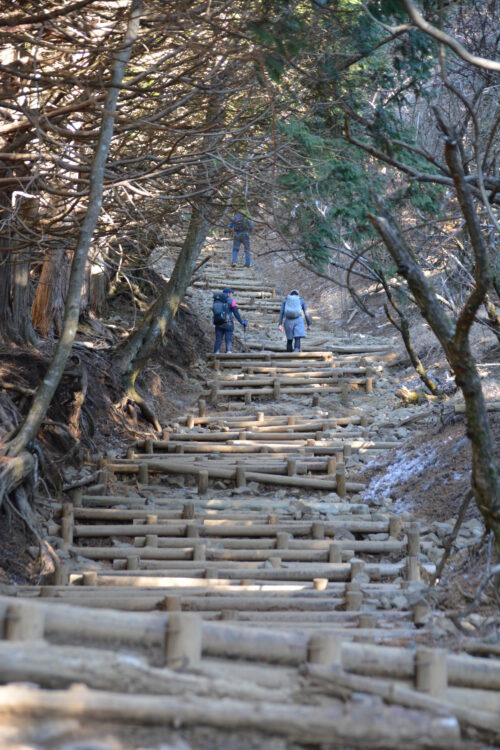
(241, 239)
(223, 332)
(290, 347)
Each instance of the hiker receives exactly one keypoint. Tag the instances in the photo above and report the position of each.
(223, 309)
(291, 311)
(241, 226)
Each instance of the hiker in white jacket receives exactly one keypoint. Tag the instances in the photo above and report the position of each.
(291, 311)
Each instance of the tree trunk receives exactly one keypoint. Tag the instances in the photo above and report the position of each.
(45, 392)
(454, 337)
(140, 344)
(485, 484)
(48, 306)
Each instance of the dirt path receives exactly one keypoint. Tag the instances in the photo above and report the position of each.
(232, 586)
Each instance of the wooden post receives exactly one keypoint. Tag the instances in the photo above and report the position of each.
(395, 526)
(413, 536)
(260, 416)
(369, 380)
(340, 478)
(357, 567)
(248, 398)
(199, 552)
(67, 525)
(315, 399)
(291, 467)
(102, 478)
(241, 479)
(347, 451)
(324, 649)
(130, 454)
(353, 601)
(344, 394)
(188, 511)
(202, 407)
(143, 474)
(165, 434)
(133, 562)
(242, 435)
(202, 482)
(282, 540)
(335, 552)
(291, 420)
(151, 540)
(61, 574)
(148, 446)
(184, 638)
(320, 584)
(331, 467)
(318, 530)
(77, 496)
(89, 578)
(431, 675)
(363, 420)
(276, 389)
(214, 395)
(421, 612)
(190, 421)
(24, 622)
(366, 620)
(412, 568)
(172, 603)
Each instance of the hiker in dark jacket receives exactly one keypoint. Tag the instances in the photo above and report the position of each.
(291, 311)
(241, 226)
(228, 307)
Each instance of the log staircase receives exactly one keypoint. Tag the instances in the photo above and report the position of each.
(231, 575)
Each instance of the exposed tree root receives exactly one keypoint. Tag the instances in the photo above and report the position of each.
(13, 472)
(146, 411)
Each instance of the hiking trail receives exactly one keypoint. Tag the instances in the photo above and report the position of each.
(229, 585)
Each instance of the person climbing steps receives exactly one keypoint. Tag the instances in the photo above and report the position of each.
(291, 311)
(241, 226)
(223, 308)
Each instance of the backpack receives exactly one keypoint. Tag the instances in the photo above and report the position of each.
(293, 306)
(241, 225)
(220, 309)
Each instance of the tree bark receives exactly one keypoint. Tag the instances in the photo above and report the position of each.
(48, 306)
(45, 392)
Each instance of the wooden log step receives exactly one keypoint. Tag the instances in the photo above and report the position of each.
(296, 723)
(231, 571)
(169, 544)
(296, 528)
(273, 354)
(179, 467)
(155, 574)
(249, 420)
(224, 384)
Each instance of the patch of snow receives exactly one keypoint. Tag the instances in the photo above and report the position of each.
(401, 469)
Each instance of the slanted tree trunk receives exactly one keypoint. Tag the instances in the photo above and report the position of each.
(46, 390)
(135, 351)
(404, 329)
(454, 337)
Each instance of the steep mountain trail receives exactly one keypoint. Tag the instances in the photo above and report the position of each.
(234, 585)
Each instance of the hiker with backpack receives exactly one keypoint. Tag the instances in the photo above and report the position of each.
(223, 308)
(291, 311)
(241, 226)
